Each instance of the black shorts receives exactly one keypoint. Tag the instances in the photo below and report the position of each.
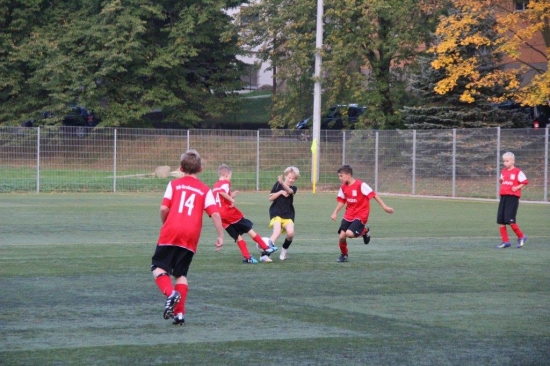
(241, 227)
(356, 226)
(173, 259)
(507, 210)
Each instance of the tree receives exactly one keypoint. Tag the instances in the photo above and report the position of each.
(122, 59)
(434, 110)
(515, 30)
(367, 46)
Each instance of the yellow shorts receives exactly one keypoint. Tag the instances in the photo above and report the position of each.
(282, 221)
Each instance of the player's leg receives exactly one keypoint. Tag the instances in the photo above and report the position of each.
(182, 286)
(164, 258)
(501, 221)
(342, 241)
(289, 229)
(510, 216)
(275, 224)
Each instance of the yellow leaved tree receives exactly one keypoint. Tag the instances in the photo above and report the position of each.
(522, 37)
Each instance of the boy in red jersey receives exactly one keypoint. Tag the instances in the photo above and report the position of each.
(512, 180)
(233, 219)
(356, 194)
(181, 213)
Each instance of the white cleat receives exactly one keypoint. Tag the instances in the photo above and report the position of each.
(282, 256)
(265, 259)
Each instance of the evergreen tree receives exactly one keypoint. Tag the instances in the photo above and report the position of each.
(120, 58)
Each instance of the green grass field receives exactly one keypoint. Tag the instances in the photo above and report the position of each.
(430, 288)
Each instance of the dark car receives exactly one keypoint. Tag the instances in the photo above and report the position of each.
(78, 121)
(336, 118)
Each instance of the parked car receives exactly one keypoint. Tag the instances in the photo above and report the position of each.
(336, 118)
(78, 121)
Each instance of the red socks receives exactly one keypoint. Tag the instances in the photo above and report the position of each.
(180, 307)
(258, 239)
(343, 247)
(504, 234)
(517, 230)
(164, 283)
(244, 250)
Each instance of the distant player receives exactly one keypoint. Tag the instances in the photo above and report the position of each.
(356, 195)
(181, 213)
(233, 219)
(281, 211)
(512, 180)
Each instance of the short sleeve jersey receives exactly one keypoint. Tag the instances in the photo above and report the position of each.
(186, 198)
(357, 199)
(230, 215)
(282, 206)
(511, 178)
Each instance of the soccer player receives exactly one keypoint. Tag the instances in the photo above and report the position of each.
(281, 211)
(233, 219)
(512, 180)
(181, 213)
(356, 194)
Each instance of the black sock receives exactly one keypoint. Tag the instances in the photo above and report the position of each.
(287, 243)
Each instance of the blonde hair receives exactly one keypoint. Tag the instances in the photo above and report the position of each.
(509, 155)
(224, 170)
(293, 170)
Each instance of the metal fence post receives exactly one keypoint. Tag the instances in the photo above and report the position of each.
(545, 195)
(258, 160)
(498, 163)
(38, 160)
(376, 163)
(414, 163)
(344, 147)
(454, 162)
(114, 161)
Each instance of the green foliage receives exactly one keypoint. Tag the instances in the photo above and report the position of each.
(367, 46)
(120, 59)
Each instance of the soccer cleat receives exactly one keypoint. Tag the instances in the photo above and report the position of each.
(522, 241)
(250, 260)
(342, 258)
(171, 302)
(265, 259)
(270, 250)
(366, 235)
(283, 254)
(179, 319)
(503, 245)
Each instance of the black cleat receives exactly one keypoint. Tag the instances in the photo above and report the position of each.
(171, 302)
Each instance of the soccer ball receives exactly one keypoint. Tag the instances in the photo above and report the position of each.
(267, 241)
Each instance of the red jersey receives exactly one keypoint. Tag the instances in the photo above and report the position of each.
(357, 198)
(511, 178)
(186, 198)
(230, 215)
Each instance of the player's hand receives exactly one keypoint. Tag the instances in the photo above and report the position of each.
(280, 179)
(234, 193)
(333, 217)
(388, 209)
(219, 244)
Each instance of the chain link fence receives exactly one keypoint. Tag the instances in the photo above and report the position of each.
(453, 163)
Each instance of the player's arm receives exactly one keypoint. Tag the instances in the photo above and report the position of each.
(164, 213)
(339, 206)
(227, 197)
(217, 220)
(384, 206)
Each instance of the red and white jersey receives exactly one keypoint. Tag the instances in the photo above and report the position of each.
(511, 178)
(230, 215)
(186, 198)
(357, 198)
